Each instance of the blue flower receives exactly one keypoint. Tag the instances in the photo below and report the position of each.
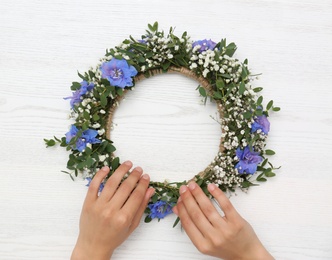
(76, 97)
(205, 45)
(142, 41)
(87, 136)
(262, 123)
(118, 72)
(248, 160)
(160, 209)
(101, 187)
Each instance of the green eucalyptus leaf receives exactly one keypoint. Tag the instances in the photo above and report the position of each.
(269, 105)
(115, 163)
(269, 152)
(103, 100)
(220, 84)
(202, 92)
(242, 88)
(258, 89)
(259, 101)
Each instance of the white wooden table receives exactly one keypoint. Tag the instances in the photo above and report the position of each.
(44, 43)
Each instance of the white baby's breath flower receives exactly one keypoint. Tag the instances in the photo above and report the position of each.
(101, 131)
(96, 125)
(205, 72)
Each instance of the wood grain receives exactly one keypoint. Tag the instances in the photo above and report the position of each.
(161, 125)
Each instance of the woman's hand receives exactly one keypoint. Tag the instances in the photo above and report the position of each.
(226, 237)
(108, 219)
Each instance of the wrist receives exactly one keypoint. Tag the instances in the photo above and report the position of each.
(258, 252)
(89, 253)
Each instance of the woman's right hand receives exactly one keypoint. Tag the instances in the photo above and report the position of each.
(226, 237)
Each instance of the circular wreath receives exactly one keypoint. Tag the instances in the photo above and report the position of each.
(222, 79)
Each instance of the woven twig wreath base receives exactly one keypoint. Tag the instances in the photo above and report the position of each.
(184, 71)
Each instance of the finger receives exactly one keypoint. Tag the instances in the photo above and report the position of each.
(136, 197)
(114, 181)
(93, 190)
(126, 188)
(188, 225)
(205, 205)
(194, 211)
(137, 218)
(224, 203)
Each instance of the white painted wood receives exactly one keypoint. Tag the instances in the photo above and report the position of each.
(44, 43)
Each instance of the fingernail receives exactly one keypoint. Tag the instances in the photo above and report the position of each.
(192, 185)
(211, 187)
(128, 163)
(138, 169)
(179, 200)
(146, 176)
(105, 169)
(183, 189)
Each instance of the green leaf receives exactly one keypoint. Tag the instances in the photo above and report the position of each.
(81, 76)
(103, 100)
(259, 101)
(257, 89)
(89, 162)
(147, 219)
(86, 115)
(227, 76)
(220, 83)
(176, 222)
(261, 179)
(115, 163)
(217, 95)
(96, 117)
(264, 162)
(110, 148)
(202, 91)
(269, 105)
(49, 143)
(119, 91)
(269, 152)
(270, 174)
(75, 86)
(276, 109)
(247, 115)
(242, 88)
(81, 165)
(246, 184)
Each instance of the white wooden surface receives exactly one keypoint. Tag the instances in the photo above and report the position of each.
(44, 43)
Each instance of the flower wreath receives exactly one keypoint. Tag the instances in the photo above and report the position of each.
(222, 78)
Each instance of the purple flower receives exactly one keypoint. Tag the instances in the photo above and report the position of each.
(205, 45)
(160, 209)
(88, 136)
(76, 98)
(142, 41)
(248, 160)
(101, 187)
(118, 72)
(262, 123)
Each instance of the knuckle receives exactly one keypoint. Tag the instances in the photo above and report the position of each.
(122, 220)
(218, 242)
(208, 210)
(196, 215)
(204, 248)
